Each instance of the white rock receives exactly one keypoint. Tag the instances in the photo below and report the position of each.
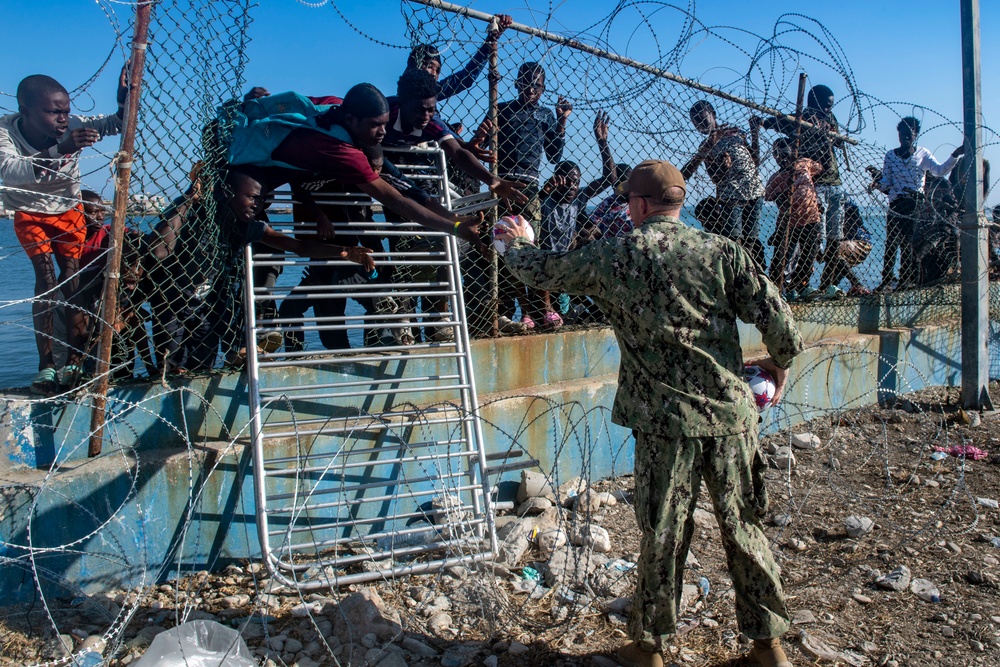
(572, 488)
(989, 502)
(534, 485)
(587, 502)
(93, 643)
(439, 623)
(705, 519)
(446, 509)
(858, 526)
(805, 441)
(514, 541)
(550, 540)
(897, 580)
(607, 499)
(595, 537)
(533, 506)
(783, 458)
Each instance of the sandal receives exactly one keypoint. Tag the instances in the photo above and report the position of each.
(552, 320)
(45, 383)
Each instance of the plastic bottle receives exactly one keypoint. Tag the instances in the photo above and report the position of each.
(925, 590)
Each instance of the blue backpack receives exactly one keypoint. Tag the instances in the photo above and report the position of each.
(257, 127)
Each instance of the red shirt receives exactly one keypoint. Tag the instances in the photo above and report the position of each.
(95, 246)
(331, 157)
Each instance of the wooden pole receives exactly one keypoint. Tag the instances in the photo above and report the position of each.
(975, 285)
(109, 307)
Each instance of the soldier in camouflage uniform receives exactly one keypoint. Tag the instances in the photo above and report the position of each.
(673, 295)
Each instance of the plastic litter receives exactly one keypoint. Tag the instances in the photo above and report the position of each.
(88, 659)
(704, 586)
(925, 590)
(197, 644)
(939, 456)
(531, 574)
(968, 451)
(620, 565)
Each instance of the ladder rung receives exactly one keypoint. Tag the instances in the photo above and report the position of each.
(359, 383)
(377, 418)
(337, 523)
(374, 463)
(373, 392)
(403, 550)
(351, 503)
(322, 431)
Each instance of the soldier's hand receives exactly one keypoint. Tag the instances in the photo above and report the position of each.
(514, 226)
(778, 374)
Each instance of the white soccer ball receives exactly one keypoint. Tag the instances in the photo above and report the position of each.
(501, 227)
(761, 384)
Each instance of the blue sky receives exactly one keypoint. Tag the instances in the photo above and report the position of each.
(899, 50)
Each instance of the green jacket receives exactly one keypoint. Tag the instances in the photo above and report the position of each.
(672, 294)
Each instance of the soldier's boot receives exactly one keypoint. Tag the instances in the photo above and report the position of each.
(632, 655)
(768, 653)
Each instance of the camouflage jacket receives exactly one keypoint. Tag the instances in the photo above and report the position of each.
(672, 294)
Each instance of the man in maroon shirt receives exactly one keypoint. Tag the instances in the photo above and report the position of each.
(332, 151)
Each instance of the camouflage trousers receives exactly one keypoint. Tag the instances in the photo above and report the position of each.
(668, 476)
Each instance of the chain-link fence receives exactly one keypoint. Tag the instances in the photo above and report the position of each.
(565, 120)
(818, 228)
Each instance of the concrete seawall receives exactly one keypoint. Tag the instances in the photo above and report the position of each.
(151, 504)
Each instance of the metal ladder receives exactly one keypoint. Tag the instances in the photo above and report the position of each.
(369, 461)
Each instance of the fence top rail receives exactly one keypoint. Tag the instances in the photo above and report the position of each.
(629, 62)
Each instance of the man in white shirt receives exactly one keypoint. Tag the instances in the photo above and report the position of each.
(902, 179)
(40, 150)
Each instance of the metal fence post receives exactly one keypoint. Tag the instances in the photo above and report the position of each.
(109, 302)
(975, 286)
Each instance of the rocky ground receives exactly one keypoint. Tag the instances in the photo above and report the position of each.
(889, 552)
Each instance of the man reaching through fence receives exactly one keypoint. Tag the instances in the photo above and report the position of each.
(673, 295)
(40, 149)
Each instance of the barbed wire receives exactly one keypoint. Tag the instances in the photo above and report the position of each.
(196, 64)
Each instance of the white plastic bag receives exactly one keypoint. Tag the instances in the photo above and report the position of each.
(197, 644)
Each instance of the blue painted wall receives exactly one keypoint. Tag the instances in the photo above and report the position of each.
(150, 506)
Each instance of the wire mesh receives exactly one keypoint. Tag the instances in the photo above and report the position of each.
(196, 61)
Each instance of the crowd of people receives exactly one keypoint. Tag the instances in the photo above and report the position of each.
(178, 270)
(671, 292)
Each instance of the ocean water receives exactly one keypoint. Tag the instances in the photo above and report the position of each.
(19, 359)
